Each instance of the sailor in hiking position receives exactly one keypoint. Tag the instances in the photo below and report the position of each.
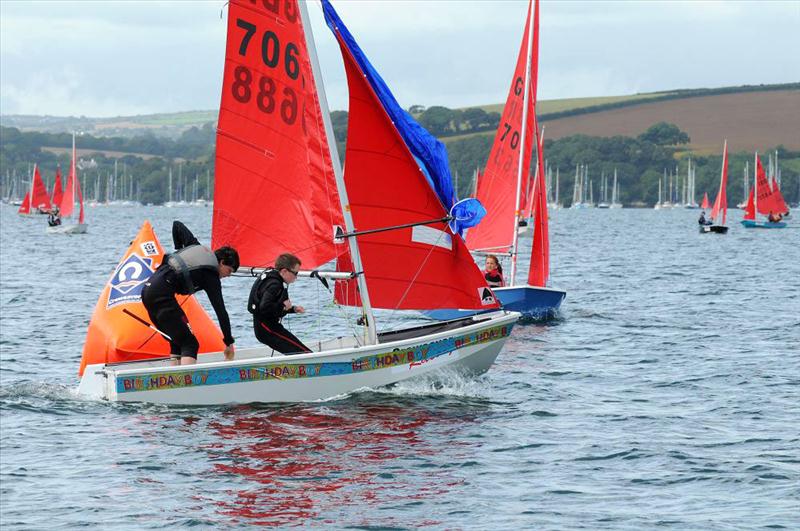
(269, 302)
(191, 268)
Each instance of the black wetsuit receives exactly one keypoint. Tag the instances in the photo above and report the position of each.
(494, 278)
(266, 303)
(158, 297)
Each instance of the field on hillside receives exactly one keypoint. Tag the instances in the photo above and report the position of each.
(567, 104)
(750, 120)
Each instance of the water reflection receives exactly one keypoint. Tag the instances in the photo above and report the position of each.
(314, 463)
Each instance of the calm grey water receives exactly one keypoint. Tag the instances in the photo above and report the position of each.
(667, 396)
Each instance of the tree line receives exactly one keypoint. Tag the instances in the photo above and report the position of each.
(640, 161)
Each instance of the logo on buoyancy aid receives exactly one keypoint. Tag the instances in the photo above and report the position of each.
(128, 280)
(487, 297)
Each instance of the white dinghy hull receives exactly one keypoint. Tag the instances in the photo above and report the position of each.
(77, 228)
(468, 346)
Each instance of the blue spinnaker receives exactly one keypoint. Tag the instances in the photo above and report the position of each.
(431, 153)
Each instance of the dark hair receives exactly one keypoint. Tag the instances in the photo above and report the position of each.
(496, 261)
(228, 256)
(286, 261)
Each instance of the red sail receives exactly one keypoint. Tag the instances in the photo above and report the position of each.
(79, 195)
(704, 204)
(67, 206)
(275, 189)
(780, 202)
(721, 202)
(39, 197)
(766, 201)
(540, 250)
(58, 191)
(420, 267)
(750, 209)
(497, 188)
(113, 336)
(25, 207)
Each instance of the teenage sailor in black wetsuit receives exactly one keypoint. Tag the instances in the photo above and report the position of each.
(269, 302)
(703, 220)
(190, 269)
(53, 219)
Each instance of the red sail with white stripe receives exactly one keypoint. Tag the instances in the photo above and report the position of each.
(497, 187)
(420, 267)
(275, 189)
(721, 202)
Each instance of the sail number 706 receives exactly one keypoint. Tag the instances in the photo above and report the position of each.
(242, 87)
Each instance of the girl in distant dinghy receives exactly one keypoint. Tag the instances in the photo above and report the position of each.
(493, 272)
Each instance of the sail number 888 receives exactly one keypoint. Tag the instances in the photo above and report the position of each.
(265, 91)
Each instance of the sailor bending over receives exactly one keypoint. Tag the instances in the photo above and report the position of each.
(269, 303)
(191, 268)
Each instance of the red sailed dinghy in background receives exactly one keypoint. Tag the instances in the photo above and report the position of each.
(69, 223)
(510, 193)
(720, 208)
(393, 233)
(762, 200)
(37, 200)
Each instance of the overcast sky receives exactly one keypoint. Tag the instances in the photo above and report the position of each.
(98, 58)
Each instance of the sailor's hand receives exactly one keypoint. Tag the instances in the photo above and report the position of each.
(299, 309)
(229, 352)
(287, 305)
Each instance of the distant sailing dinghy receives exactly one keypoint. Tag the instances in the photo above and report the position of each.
(37, 200)
(72, 193)
(280, 188)
(720, 207)
(503, 188)
(761, 200)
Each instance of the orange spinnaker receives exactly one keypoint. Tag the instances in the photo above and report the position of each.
(114, 336)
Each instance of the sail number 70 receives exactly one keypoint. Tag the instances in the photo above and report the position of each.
(267, 88)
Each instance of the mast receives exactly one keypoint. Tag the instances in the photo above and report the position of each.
(557, 168)
(337, 171)
(524, 128)
(614, 197)
(755, 186)
(75, 170)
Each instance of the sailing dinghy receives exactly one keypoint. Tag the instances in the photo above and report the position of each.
(720, 207)
(37, 200)
(279, 188)
(761, 200)
(503, 188)
(69, 224)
